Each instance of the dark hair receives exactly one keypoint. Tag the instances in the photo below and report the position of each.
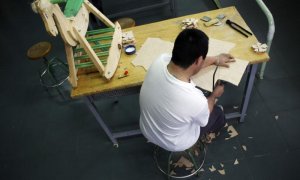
(189, 45)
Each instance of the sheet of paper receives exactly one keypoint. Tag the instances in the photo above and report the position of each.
(151, 50)
(217, 47)
(233, 74)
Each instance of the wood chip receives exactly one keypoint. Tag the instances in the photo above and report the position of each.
(189, 23)
(222, 165)
(212, 169)
(244, 147)
(226, 125)
(234, 147)
(276, 117)
(172, 173)
(236, 162)
(250, 137)
(222, 171)
(196, 152)
(232, 132)
(201, 170)
(183, 162)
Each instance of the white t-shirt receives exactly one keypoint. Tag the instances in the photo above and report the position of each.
(172, 110)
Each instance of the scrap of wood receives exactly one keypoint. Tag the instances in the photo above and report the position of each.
(189, 23)
(128, 38)
(232, 132)
(114, 53)
(222, 165)
(222, 171)
(236, 162)
(244, 147)
(259, 47)
(196, 152)
(172, 173)
(201, 170)
(212, 169)
(226, 125)
(183, 162)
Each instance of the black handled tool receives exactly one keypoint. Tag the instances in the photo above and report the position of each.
(238, 28)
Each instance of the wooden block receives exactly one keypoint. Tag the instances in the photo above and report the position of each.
(211, 22)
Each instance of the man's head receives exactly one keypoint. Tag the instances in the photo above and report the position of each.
(189, 46)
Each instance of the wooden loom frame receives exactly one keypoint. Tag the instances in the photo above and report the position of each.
(73, 30)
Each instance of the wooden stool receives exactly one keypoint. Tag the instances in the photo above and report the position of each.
(181, 164)
(54, 72)
(126, 22)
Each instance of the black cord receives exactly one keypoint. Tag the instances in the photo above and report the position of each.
(213, 85)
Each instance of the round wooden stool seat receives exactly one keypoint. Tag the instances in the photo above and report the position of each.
(126, 22)
(39, 50)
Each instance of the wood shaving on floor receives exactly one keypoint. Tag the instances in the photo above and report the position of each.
(172, 173)
(183, 162)
(222, 165)
(232, 132)
(244, 147)
(212, 169)
(236, 162)
(226, 125)
(222, 171)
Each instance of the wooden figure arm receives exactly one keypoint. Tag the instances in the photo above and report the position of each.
(92, 9)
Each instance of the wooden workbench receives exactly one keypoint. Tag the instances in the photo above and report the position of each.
(93, 83)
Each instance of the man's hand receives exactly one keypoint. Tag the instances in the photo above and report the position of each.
(223, 60)
(218, 91)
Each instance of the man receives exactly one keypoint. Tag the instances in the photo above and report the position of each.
(173, 110)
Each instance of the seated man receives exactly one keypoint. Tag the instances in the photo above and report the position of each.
(173, 111)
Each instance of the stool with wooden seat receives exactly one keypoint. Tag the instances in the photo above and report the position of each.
(54, 72)
(126, 22)
(181, 164)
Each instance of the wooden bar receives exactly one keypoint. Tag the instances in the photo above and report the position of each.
(99, 31)
(99, 54)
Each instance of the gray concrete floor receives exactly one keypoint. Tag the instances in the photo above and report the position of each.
(45, 137)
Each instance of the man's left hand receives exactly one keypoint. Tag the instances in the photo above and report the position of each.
(223, 60)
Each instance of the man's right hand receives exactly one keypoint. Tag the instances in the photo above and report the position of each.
(218, 91)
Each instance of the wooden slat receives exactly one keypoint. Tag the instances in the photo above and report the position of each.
(88, 49)
(99, 54)
(97, 46)
(114, 52)
(72, 70)
(95, 39)
(99, 31)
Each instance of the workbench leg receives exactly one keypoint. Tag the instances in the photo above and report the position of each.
(173, 8)
(218, 4)
(248, 90)
(90, 103)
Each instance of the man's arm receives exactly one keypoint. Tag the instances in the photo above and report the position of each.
(211, 100)
(220, 60)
